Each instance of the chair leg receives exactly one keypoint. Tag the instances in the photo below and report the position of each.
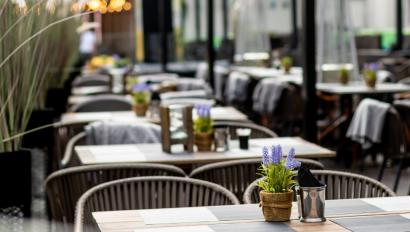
(381, 172)
(361, 160)
(398, 175)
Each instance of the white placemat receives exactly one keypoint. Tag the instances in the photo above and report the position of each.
(391, 204)
(178, 215)
(121, 153)
(179, 229)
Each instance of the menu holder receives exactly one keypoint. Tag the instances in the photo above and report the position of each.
(176, 127)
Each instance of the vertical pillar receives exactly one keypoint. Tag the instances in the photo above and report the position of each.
(211, 52)
(164, 34)
(309, 71)
(295, 39)
(197, 20)
(399, 25)
(225, 19)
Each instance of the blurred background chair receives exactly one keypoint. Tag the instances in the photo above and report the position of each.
(237, 175)
(340, 185)
(63, 133)
(99, 133)
(148, 193)
(256, 130)
(65, 187)
(103, 103)
(92, 80)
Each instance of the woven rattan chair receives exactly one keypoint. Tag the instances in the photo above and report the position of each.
(237, 175)
(69, 159)
(92, 80)
(63, 133)
(103, 133)
(65, 187)
(103, 103)
(340, 185)
(256, 130)
(148, 193)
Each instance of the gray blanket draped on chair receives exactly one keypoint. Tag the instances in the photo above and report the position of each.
(367, 124)
(100, 133)
(267, 94)
(237, 87)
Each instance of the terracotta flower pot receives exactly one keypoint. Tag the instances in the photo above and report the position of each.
(371, 83)
(287, 68)
(140, 109)
(276, 207)
(204, 141)
(344, 79)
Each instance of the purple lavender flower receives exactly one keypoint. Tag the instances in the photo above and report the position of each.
(265, 155)
(291, 162)
(276, 154)
(141, 87)
(279, 151)
(371, 67)
(204, 111)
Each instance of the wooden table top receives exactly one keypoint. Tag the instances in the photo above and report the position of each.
(152, 153)
(371, 214)
(217, 113)
(361, 88)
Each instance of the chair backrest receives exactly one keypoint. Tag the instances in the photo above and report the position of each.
(63, 133)
(394, 132)
(149, 193)
(106, 132)
(92, 80)
(113, 132)
(340, 185)
(403, 108)
(103, 103)
(237, 175)
(256, 130)
(65, 187)
(70, 160)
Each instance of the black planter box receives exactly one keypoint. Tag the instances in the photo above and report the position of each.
(15, 180)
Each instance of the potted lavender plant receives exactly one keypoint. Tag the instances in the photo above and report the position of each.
(278, 179)
(203, 128)
(287, 63)
(344, 76)
(142, 95)
(369, 74)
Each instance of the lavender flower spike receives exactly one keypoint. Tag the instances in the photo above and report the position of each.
(141, 87)
(204, 111)
(265, 155)
(291, 163)
(279, 151)
(373, 67)
(275, 155)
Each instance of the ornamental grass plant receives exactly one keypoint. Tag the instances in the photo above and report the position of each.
(38, 43)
